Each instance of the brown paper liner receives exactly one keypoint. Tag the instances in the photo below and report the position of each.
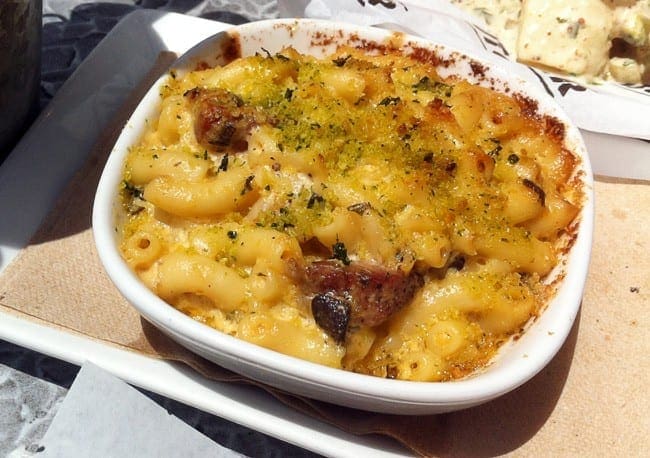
(591, 398)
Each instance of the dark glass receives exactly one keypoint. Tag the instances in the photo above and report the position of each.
(20, 68)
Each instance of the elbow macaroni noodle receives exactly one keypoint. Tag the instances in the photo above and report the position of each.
(371, 152)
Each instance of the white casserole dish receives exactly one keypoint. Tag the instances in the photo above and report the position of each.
(515, 363)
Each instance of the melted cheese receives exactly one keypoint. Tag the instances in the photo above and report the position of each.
(372, 160)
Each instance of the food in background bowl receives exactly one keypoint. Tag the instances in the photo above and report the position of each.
(361, 200)
(591, 39)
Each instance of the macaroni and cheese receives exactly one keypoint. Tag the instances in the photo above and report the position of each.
(357, 211)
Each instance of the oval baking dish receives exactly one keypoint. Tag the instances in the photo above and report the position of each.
(515, 362)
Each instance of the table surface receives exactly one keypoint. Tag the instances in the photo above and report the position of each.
(32, 385)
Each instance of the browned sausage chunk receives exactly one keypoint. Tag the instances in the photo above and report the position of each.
(371, 293)
(221, 120)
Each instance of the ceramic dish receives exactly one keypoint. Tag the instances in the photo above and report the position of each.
(516, 361)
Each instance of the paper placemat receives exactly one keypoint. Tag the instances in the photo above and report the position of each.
(590, 399)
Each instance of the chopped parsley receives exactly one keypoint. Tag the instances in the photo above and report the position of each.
(340, 61)
(340, 252)
(248, 184)
(389, 101)
(313, 199)
(223, 166)
(135, 191)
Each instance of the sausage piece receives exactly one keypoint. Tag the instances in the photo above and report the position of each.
(222, 120)
(372, 294)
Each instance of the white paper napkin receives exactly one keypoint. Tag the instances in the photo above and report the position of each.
(104, 417)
